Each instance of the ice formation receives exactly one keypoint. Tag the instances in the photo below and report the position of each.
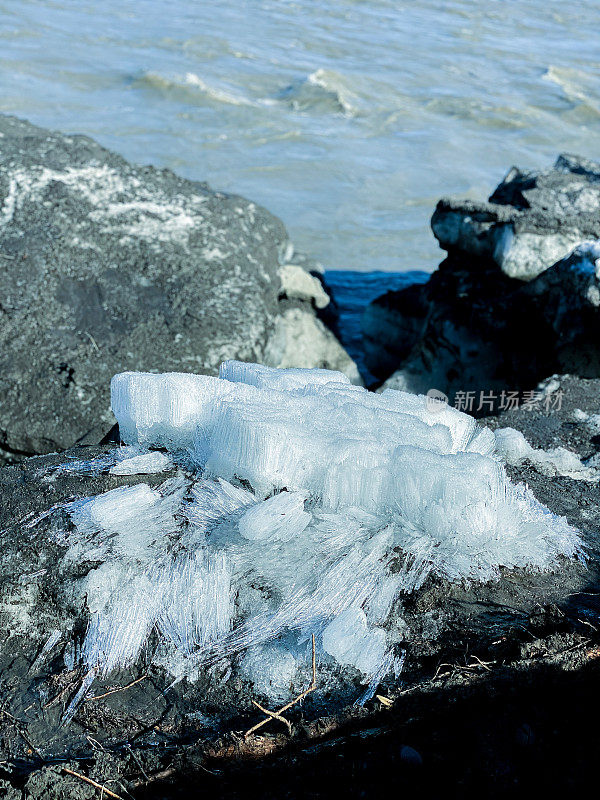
(514, 448)
(132, 460)
(303, 505)
(143, 464)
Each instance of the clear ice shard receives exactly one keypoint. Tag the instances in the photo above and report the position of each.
(349, 640)
(142, 464)
(277, 519)
(271, 669)
(306, 505)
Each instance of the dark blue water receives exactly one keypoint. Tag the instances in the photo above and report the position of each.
(352, 292)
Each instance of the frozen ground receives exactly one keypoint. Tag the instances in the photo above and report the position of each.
(302, 505)
(85, 532)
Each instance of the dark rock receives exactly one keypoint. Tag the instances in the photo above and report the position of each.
(392, 324)
(532, 220)
(476, 335)
(106, 266)
(565, 301)
(351, 294)
(475, 327)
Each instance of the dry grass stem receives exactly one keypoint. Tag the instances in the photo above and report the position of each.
(114, 691)
(464, 668)
(280, 711)
(91, 782)
(274, 715)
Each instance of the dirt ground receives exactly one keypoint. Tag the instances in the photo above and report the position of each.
(497, 706)
(506, 720)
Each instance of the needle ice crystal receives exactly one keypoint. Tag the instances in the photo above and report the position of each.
(304, 505)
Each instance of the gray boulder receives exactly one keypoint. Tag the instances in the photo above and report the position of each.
(490, 320)
(532, 220)
(391, 325)
(106, 266)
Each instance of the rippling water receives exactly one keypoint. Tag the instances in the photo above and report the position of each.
(347, 119)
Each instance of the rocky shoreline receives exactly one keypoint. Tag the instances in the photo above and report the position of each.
(515, 300)
(110, 267)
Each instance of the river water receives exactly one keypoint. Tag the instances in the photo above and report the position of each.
(347, 119)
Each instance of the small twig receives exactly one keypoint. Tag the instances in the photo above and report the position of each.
(575, 646)
(468, 668)
(164, 774)
(93, 341)
(28, 742)
(114, 691)
(277, 714)
(484, 664)
(137, 761)
(23, 734)
(441, 667)
(91, 783)
(95, 744)
(57, 698)
(274, 715)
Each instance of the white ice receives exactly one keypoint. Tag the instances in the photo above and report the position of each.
(349, 640)
(306, 506)
(272, 669)
(514, 448)
(143, 464)
(277, 519)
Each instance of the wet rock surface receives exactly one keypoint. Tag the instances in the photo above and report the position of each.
(501, 649)
(107, 266)
(515, 300)
(532, 220)
(502, 723)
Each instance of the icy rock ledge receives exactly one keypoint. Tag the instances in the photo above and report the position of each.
(303, 505)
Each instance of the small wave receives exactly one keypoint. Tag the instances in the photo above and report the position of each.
(572, 82)
(192, 87)
(322, 90)
(483, 113)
